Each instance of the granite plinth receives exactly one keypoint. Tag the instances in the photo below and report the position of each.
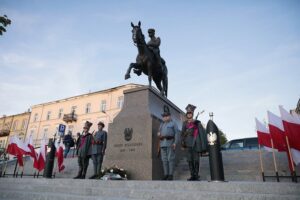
(132, 137)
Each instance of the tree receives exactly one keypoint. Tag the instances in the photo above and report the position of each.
(4, 21)
(223, 138)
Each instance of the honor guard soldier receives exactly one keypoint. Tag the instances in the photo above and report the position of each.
(98, 149)
(169, 136)
(84, 150)
(193, 139)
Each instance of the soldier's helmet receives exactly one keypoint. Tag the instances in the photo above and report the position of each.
(151, 30)
(87, 125)
(190, 109)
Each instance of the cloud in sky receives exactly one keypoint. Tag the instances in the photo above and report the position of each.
(237, 59)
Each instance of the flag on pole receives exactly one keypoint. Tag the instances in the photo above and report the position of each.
(277, 132)
(60, 155)
(41, 159)
(263, 134)
(17, 148)
(292, 128)
(29, 143)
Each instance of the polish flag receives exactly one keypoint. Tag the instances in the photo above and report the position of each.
(263, 134)
(277, 132)
(29, 143)
(60, 155)
(292, 127)
(41, 159)
(17, 148)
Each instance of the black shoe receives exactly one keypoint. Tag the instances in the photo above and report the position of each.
(197, 178)
(192, 178)
(170, 177)
(82, 177)
(93, 177)
(77, 177)
(165, 177)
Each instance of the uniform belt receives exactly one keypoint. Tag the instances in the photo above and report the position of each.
(166, 137)
(98, 142)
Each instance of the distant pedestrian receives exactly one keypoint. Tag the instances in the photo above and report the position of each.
(68, 142)
(98, 149)
(169, 136)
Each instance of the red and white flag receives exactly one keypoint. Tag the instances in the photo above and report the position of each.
(263, 135)
(292, 128)
(60, 155)
(29, 143)
(41, 159)
(17, 148)
(277, 132)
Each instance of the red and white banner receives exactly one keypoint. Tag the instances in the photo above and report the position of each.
(60, 155)
(263, 134)
(29, 143)
(292, 128)
(17, 148)
(40, 162)
(277, 132)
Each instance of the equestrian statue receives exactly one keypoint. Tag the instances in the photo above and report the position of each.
(148, 59)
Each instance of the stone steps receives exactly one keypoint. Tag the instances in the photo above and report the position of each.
(29, 188)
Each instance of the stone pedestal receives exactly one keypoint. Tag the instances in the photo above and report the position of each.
(132, 137)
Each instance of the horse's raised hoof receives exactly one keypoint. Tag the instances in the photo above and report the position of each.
(127, 76)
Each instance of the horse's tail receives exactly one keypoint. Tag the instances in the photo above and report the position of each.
(165, 80)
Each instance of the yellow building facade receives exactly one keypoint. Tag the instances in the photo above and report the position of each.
(75, 111)
(13, 125)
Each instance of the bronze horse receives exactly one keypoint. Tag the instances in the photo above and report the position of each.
(146, 62)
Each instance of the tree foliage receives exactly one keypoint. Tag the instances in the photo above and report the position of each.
(223, 138)
(4, 21)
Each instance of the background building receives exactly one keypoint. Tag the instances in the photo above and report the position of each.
(74, 111)
(13, 125)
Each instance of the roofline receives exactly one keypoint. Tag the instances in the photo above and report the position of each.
(82, 95)
(7, 116)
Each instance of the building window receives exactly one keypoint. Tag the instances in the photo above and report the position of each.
(31, 132)
(73, 109)
(88, 108)
(60, 113)
(48, 115)
(15, 125)
(45, 131)
(120, 101)
(103, 105)
(35, 117)
(24, 124)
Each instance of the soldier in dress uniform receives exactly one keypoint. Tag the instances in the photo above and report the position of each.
(169, 136)
(84, 150)
(98, 149)
(194, 141)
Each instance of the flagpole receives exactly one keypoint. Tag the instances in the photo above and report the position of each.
(274, 159)
(261, 164)
(294, 177)
(5, 166)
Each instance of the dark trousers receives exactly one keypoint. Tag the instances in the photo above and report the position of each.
(83, 163)
(97, 162)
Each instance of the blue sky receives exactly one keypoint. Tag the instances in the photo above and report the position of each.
(237, 59)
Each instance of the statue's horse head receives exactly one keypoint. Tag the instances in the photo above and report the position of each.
(137, 35)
